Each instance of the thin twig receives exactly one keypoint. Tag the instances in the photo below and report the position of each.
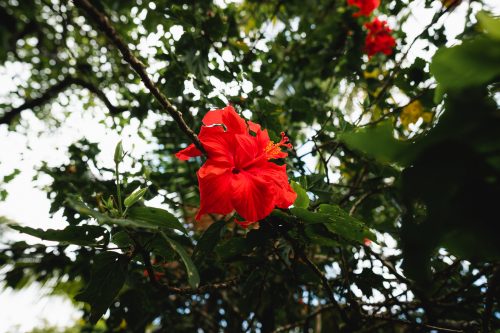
(53, 91)
(105, 25)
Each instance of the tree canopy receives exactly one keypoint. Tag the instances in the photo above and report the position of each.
(377, 213)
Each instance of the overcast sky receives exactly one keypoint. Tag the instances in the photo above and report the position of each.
(27, 203)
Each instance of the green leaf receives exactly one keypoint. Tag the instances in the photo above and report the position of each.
(232, 248)
(472, 63)
(336, 220)
(11, 176)
(160, 247)
(317, 235)
(490, 24)
(208, 240)
(79, 235)
(155, 217)
(379, 143)
(108, 275)
(134, 197)
(81, 208)
(122, 239)
(302, 200)
(348, 227)
(192, 272)
(150, 218)
(308, 216)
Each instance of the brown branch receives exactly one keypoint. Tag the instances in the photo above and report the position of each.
(324, 280)
(203, 289)
(105, 25)
(139, 249)
(52, 92)
(287, 327)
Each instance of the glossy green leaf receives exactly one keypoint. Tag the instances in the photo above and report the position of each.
(348, 227)
(336, 220)
(155, 217)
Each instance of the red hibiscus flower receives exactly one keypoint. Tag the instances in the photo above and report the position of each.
(238, 175)
(379, 38)
(366, 7)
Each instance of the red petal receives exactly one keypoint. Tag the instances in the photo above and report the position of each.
(228, 117)
(215, 189)
(276, 176)
(244, 224)
(251, 196)
(187, 153)
(253, 127)
(246, 150)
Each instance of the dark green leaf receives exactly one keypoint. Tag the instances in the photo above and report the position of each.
(231, 248)
(208, 240)
(336, 220)
(107, 279)
(192, 272)
(79, 235)
(155, 217)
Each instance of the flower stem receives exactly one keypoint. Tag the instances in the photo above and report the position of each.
(118, 189)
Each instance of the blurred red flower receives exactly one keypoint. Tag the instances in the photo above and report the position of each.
(379, 38)
(366, 7)
(238, 174)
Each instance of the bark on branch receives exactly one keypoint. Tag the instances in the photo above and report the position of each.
(105, 25)
(52, 92)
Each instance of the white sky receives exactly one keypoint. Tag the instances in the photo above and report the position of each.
(28, 205)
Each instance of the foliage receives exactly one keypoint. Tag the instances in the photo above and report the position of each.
(396, 167)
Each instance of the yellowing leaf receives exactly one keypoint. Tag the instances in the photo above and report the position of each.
(411, 113)
(374, 74)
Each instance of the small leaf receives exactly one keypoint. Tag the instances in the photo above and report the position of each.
(134, 197)
(107, 278)
(192, 272)
(156, 217)
(302, 200)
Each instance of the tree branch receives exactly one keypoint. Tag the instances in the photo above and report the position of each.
(313, 314)
(52, 92)
(105, 25)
